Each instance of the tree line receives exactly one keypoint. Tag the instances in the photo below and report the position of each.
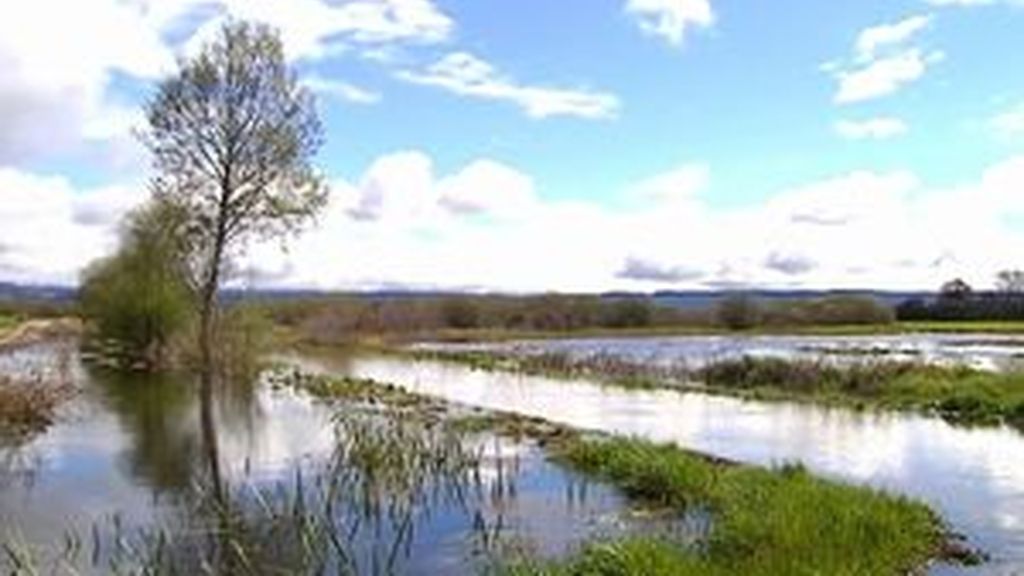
(958, 301)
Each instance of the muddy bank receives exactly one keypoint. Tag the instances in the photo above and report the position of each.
(37, 331)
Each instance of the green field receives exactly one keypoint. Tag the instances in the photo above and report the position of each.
(7, 322)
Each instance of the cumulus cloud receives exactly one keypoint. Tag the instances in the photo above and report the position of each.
(57, 74)
(50, 229)
(402, 187)
(872, 128)
(671, 19)
(884, 61)
(467, 75)
(489, 188)
(485, 225)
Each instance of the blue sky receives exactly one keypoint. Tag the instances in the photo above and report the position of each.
(681, 143)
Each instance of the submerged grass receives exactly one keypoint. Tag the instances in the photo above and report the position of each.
(357, 513)
(764, 521)
(398, 452)
(29, 402)
(959, 394)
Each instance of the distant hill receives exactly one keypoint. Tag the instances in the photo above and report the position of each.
(702, 299)
(36, 292)
(683, 299)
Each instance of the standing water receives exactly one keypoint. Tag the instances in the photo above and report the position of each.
(126, 460)
(973, 477)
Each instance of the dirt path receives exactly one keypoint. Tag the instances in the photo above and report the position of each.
(33, 331)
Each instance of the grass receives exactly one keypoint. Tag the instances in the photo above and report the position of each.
(778, 521)
(397, 451)
(965, 327)
(7, 322)
(500, 335)
(959, 394)
(357, 513)
(28, 403)
(764, 521)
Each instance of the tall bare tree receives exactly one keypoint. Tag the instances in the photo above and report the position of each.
(232, 136)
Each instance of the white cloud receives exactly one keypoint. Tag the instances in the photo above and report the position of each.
(872, 128)
(854, 230)
(671, 19)
(872, 39)
(401, 188)
(342, 90)
(466, 75)
(316, 28)
(50, 230)
(488, 188)
(883, 61)
(56, 76)
(485, 225)
(1010, 122)
(883, 76)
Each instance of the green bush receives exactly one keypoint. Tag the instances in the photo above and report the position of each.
(139, 298)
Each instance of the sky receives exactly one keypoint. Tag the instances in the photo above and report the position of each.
(578, 145)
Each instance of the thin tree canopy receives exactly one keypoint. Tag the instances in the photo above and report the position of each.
(232, 137)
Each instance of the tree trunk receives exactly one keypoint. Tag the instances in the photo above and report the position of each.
(207, 370)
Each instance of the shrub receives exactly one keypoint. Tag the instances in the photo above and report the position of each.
(739, 312)
(139, 297)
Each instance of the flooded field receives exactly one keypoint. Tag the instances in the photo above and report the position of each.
(124, 467)
(989, 352)
(122, 475)
(974, 477)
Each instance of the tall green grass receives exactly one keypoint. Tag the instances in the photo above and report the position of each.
(766, 522)
(7, 322)
(959, 394)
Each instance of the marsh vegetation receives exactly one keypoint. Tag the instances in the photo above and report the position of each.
(228, 466)
(879, 377)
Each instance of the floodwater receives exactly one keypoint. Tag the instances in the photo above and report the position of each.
(989, 352)
(127, 455)
(973, 477)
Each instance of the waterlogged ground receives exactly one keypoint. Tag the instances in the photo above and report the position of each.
(973, 477)
(988, 352)
(126, 456)
(126, 460)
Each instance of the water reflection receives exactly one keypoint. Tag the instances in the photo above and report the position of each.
(158, 415)
(975, 478)
(120, 482)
